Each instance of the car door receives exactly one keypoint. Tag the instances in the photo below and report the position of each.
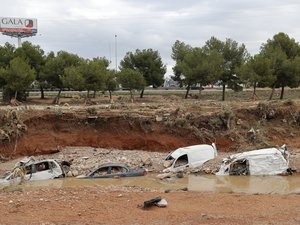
(42, 171)
(180, 163)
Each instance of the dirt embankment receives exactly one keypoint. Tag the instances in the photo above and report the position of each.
(45, 130)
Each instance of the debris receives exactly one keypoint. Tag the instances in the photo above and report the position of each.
(152, 202)
(179, 174)
(252, 134)
(158, 118)
(75, 173)
(162, 203)
(164, 175)
(146, 160)
(183, 189)
(14, 102)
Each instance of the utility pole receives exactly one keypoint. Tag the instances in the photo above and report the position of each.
(116, 53)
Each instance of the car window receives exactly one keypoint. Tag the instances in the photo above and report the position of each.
(118, 169)
(42, 166)
(181, 161)
(101, 171)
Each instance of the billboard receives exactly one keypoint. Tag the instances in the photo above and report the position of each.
(18, 25)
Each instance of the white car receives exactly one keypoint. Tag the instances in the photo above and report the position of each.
(190, 157)
(29, 169)
(267, 161)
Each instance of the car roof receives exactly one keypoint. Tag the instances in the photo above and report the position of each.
(39, 161)
(112, 164)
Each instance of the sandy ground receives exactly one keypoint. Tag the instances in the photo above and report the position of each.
(96, 205)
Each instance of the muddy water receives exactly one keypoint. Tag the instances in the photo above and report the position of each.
(235, 184)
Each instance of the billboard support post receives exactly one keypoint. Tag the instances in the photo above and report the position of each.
(19, 42)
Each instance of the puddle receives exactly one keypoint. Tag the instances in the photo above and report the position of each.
(209, 183)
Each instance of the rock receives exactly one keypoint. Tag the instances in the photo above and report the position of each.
(167, 163)
(75, 173)
(83, 167)
(179, 175)
(164, 175)
(69, 174)
(158, 118)
(183, 189)
(124, 159)
(207, 170)
(239, 122)
(146, 160)
(162, 203)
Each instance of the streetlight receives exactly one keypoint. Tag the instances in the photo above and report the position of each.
(116, 52)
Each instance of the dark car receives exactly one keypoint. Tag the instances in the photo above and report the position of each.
(111, 170)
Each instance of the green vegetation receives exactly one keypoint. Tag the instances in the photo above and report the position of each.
(148, 63)
(226, 63)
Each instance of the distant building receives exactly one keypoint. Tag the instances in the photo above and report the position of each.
(170, 83)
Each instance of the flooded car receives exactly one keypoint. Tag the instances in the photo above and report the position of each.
(111, 170)
(30, 169)
(267, 161)
(190, 157)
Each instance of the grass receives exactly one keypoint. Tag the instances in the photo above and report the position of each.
(207, 94)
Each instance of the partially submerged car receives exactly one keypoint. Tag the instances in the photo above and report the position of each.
(267, 161)
(30, 169)
(111, 170)
(190, 157)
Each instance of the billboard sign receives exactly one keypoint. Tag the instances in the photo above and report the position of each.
(18, 25)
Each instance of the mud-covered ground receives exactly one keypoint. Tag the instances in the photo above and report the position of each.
(155, 125)
(96, 205)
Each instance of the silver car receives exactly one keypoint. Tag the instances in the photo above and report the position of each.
(110, 170)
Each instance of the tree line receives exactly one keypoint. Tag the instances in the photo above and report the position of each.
(21, 67)
(227, 63)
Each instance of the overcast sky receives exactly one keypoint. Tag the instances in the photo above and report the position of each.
(88, 27)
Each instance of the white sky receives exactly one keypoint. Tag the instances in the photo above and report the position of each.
(88, 27)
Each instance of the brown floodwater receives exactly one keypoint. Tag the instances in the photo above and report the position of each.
(206, 183)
